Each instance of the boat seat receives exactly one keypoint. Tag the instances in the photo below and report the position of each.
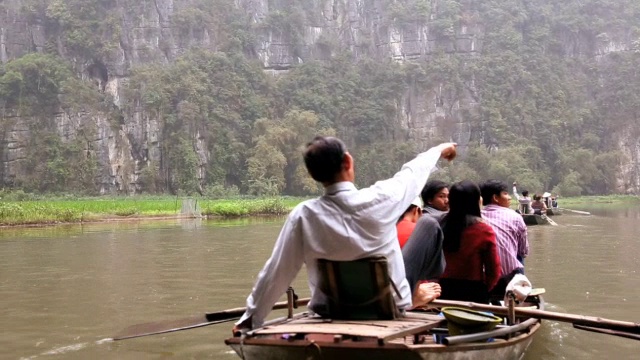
(358, 290)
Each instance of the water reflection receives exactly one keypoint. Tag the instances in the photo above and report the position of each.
(65, 288)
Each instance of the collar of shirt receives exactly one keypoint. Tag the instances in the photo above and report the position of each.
(493, 207)
(339, 187)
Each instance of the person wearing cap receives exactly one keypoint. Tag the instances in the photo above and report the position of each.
(408, 220)
(422, 252)
(344, 224)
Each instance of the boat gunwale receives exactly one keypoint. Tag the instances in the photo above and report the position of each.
(392, 345)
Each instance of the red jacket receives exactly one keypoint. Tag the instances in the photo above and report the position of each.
(477, 259)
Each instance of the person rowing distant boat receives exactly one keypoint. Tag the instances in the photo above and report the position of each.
(342, 225)
(524, 201)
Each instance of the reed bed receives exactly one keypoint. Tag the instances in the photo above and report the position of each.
(49, 211)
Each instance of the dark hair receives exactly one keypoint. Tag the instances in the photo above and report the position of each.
(464, 210)
(525, 192)
(323, 158)
(537, 197)
(490, 188)
(431, 189)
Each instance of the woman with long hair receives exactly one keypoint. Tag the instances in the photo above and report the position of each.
(473, 263)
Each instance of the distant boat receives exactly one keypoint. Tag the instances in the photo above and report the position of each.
(548, 200)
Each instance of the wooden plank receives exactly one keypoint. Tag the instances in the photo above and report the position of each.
(410, 331)
(377, 329)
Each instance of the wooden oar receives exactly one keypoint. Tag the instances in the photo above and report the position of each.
(613, 327)
(576, 211)
(162, 327)
(549, 220)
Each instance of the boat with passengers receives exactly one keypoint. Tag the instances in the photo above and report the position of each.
(365, 324)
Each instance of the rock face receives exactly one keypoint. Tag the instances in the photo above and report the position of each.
(148, 34)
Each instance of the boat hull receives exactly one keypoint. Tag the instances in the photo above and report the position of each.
(263, 349)
(533, 219)
(554, 212)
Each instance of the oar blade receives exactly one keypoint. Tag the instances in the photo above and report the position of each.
(622, 333)
(162, 327)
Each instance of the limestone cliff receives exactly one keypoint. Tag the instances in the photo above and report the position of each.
(159, 31)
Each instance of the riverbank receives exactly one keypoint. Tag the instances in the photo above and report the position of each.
(55, 211)
(62, 210)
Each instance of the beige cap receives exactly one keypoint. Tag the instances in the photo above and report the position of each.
(417, 202)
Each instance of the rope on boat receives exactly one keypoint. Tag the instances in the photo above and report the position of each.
(314, 345)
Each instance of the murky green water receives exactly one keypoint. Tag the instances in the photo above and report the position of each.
(65, 289)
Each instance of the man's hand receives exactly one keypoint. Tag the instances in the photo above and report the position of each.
(244, 326)
(425, 293)
(515, 183)
(448, 151)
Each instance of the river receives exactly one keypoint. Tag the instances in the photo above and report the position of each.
(64, 290)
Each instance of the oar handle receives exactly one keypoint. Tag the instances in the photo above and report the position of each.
(592, 321)
(236, 312)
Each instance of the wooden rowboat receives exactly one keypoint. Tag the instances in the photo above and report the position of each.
(417, 335)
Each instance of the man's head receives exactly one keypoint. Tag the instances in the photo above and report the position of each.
(413, 212)
(495, 192)
(436, 194)
(525, 192)
(328, 161)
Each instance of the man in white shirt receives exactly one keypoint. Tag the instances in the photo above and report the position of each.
(342, 225)
(524, 201)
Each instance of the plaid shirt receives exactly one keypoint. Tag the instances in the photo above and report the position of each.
(511, 236)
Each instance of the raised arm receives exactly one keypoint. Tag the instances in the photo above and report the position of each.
(515, 192)
(407, 183)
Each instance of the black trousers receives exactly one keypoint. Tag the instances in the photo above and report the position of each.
(464, 290)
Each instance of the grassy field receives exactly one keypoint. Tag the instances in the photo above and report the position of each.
(48, 211)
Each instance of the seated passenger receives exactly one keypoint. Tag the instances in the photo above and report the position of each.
(470, 250)
(435, 196)
(408, 220)
(538, 205)
(422, 253)
(511, 232)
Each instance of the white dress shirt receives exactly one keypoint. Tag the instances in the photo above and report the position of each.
(344, 224)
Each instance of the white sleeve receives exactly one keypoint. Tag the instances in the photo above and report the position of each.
(515, 193)
(407, 183)
(277, 274)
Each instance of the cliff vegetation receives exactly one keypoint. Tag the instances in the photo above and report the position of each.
(543, 92)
